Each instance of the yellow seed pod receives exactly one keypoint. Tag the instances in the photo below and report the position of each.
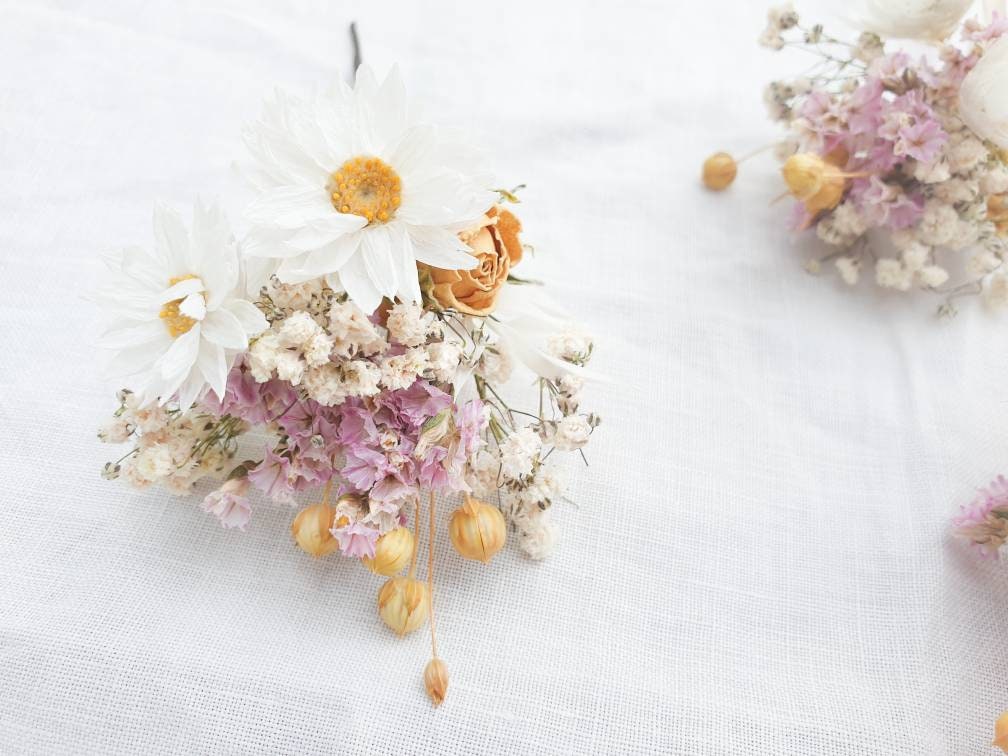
(392, 552)
(1001, 732)
(719, 171)
(403, 604)
(804, 175)
(477, 530)
(311, 530)
(435, 678)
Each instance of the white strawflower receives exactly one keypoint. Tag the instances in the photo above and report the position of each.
(572, 433)
(179, 321)
(356, 189)
(518, 453)
(849, 269)
(408, 324)
(928, 20)
(983, 96)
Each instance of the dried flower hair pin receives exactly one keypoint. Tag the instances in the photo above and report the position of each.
(898, 163)
(368, 323)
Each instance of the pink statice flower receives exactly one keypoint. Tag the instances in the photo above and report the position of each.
(273, 476)
(230, 504)
(886, 204)
(922, 141)
(984, 521)
(356, 539)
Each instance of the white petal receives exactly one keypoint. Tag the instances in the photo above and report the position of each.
(440, 248)
(193, 306)
(355, 280)
(268, 242)
(172, 240)
(181, 290)
(132, 335)
(191, 389)
(290, 206)
(376, 252)
(320, 262)
(138, 359)
(181, 356)
(321, 232)
(402, 251)
(252, 321)
(224, 329)
(213, 366)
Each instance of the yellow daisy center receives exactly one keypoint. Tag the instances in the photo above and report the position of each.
(175, 321)
(366, 186)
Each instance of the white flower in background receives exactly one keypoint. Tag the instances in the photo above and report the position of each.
(929, 20)
(177, 320)
(983, 96)
(356, 189)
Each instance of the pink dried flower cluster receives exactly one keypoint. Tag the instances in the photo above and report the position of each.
(984, 521)
(923, 196)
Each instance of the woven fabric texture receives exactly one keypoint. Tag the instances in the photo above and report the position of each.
(757, 559)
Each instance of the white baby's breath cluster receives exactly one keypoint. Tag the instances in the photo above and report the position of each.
(516, 467)
(903, 160)
(171, 447)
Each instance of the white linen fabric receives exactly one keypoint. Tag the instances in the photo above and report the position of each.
(759, 558)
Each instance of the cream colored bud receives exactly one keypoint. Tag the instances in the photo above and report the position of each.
(403, 604)
(311, 530)
(392, 552)
(719, 171)
(817, 183)
(435, 678)
(477, 530)
(804, 174)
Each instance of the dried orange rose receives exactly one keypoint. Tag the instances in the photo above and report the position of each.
(474, 292)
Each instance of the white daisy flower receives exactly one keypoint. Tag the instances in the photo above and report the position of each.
(354, 188)
(177, 320)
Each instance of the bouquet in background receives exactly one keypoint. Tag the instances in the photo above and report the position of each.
(896, 155)
(356, 347)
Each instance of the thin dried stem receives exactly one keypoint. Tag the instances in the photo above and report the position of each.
(416, 540)
(430, 579)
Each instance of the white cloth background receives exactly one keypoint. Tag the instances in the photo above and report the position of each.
(759, 559)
